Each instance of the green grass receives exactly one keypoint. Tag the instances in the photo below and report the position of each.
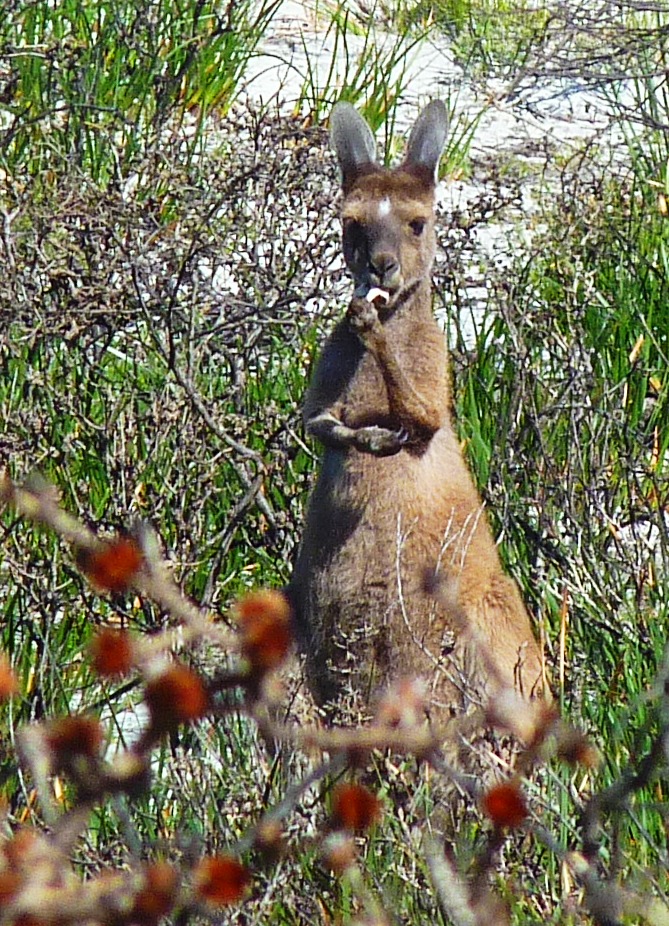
(488, 36)
(366, 68)
(116, 420)
(564, 409)
(93, 86)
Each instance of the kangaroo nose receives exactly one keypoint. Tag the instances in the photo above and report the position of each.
(385, 266)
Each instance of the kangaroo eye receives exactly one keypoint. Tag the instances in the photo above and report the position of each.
(354, 232)
(354, 241)
(417, 226)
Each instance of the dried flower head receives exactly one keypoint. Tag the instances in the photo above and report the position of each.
(339, 852)
(270, 839)
(528, 720)
(130, 773)
(575, 748)
(354, 807)
(265, 626)
(221, 879)
(111, 652)
(176, 696)
(113, 566)
(69, 737)
(8, 682)
(403, 704)
(505, 804)
(156, 897)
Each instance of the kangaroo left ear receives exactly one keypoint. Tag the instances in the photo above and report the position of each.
(353, 141)
(427, 140)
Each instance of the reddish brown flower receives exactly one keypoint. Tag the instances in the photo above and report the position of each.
(73, 736)
(221, 879)
(175, 697)
(113, 566)
(8, 682)
(339, 852)
(354, 807)
(575, 748)
(111, 652)
(505, 804)
(10, 882)
(156, 898)
(264, 623)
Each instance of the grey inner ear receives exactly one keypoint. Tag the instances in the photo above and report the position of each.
(351, 138)
(428, 138)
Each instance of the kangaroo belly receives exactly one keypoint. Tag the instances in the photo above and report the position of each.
(366, 567)
(393, 583)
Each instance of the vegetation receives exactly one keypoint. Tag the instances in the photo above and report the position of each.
(169, 266)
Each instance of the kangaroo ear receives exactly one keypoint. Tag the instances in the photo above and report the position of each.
(427, 141)
(353, 142)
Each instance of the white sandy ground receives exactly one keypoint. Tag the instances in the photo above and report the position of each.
(531, 121)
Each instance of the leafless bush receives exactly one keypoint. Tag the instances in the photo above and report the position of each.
(37, 880)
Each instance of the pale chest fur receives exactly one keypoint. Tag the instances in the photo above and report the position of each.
(423, 490)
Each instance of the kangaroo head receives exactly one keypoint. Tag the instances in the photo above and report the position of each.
(388, 215)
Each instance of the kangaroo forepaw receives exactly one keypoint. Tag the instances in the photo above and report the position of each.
(380, 442)
(362, 316)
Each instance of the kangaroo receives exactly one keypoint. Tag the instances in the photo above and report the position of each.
(394, 505)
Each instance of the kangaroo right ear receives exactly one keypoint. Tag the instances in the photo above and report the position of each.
(353, 142)
(427, 141)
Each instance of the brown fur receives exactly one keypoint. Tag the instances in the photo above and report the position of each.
(394, 505)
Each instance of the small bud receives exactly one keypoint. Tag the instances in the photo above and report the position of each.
(130, 773)
(270, 839)
(354, 807)
(339, 852)
(221, 880)
(505, 804)
(403, 704)
(266, 634)
(575, 748)
(113, 566)
(111, 652)
(175, 697)
(529, 721)
(157, 896)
